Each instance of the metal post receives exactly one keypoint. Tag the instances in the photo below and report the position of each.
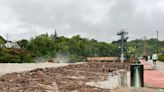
(157, 42)
(122, 48)
(122, 34)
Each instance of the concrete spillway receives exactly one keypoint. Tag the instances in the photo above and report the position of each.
(120, 78)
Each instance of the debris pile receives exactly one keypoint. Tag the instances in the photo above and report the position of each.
(71, 78)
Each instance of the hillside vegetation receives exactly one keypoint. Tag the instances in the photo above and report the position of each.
(75, 49)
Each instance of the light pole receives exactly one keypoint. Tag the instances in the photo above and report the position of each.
(122, 34)
(157, 41)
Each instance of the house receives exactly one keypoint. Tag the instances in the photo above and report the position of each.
(10, 44)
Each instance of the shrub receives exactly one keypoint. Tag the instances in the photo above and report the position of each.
(75, 58)
(26, 59)
(161, 58)
(14, 59)
(15, 56)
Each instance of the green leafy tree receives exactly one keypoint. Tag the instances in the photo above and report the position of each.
(23, 43)
(41, 45)
(2, 41)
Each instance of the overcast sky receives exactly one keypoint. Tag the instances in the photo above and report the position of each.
(98, 19)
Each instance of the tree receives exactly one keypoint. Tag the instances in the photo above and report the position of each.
(2, 41)
(41, 45)
(23, 43)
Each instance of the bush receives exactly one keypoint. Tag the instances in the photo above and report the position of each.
(15, 56)
(75, 58)
(161, 58)
(14, 59)
(26, 59)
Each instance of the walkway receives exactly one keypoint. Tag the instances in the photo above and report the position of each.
(15, 67)
(159, 66)
(153, 77)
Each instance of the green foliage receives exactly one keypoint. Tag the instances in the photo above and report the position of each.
(2, 41)
(76, 48)
(75, 58)
(41, 45)
(137, 46)
(15, 56)
(161, 58)
(23, 43)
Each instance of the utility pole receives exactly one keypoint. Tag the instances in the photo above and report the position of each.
(7, 38)
(122, 34)
(55, 35)
(145, 52)
(157, 41)
(126, 46)
(122, 48)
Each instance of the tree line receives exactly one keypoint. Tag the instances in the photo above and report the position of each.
(76, 48)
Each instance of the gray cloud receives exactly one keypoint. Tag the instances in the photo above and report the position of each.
(98, 19)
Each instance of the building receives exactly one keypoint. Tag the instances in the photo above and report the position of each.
(10, 44)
